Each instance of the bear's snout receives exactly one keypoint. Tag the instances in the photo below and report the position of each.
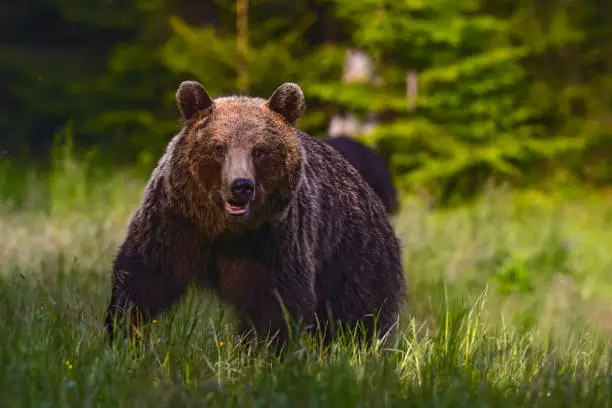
(242, 190)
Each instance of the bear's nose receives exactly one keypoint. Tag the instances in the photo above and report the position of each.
(242, 189)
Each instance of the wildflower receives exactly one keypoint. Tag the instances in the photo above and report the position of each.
(220, 344)
(154, 321)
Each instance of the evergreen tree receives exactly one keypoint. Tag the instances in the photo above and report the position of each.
(254, 47)
(569, 77)
(471, 121)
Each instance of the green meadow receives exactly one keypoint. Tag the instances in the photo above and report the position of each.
(509, 306)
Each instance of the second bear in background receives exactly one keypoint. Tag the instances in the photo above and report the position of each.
(371, 166)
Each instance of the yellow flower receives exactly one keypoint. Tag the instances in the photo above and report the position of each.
(154, 321)
(220, 344)
(70, 366)
(67, 362)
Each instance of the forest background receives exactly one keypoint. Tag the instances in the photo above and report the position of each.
(510, 91)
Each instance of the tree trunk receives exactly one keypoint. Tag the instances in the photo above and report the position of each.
(242, 45)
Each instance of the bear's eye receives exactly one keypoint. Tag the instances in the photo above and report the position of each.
(219, 149)
(259, 153)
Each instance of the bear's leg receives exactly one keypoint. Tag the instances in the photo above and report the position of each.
(276, 314)
(136, 298)
(353, 315)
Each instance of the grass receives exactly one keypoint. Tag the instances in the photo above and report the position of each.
(509, 306)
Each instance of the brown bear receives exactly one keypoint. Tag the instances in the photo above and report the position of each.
(277, 223)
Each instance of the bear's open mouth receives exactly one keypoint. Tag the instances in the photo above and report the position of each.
(236, 208)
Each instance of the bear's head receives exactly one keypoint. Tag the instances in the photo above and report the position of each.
(242, 152)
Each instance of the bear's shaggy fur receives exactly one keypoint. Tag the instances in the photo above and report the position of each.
(244, 204)
(371, 166)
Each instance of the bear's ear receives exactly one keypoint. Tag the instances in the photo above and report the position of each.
(288, 100)
(192, 98)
